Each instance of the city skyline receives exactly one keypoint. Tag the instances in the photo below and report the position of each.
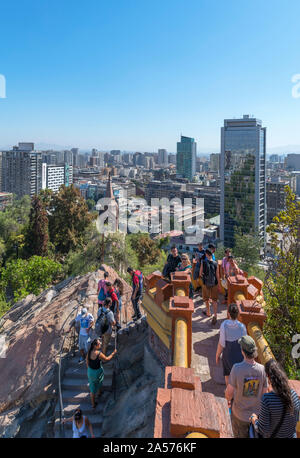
(135, 76)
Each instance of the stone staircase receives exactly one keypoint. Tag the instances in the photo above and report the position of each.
(75, 393)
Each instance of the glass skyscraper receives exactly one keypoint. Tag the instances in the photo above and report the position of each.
(186, 158)
(243, 178)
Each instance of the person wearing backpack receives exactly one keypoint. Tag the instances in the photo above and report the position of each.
(84, 322)
(102, 289)
(104, 324)
(137, 291)
(112, 294)
(279, 408)
(210, 277)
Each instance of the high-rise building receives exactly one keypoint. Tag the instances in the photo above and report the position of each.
(214, 162)
(243, 178)
(53, 176)
(275, 199)
(186, 158)
(162, 157)
(22, 170)
(293, 162)
(68, 157)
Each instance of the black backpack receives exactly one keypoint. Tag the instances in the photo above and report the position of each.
(209, 273)
(102, 324)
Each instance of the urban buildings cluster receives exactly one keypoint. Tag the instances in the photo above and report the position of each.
(241, 186)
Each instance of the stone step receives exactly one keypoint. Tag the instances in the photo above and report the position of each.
(95, 419)
(68, 432)
(81, 372)
(85, 406)
(82, 384)
(72, 396)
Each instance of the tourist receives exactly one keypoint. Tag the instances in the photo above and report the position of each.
(246, 384)
(105, 322)
(212, 248)
(225, 261)
(199, 255)
(119, 290)
(102, 289)
(81, 424)
(95, 371)
(210, 290)
(231, 268)
(230, 332)
(85, 322)
(186, 266)
(172, 262)
(279, 408)
(111, 293)
(137, 291)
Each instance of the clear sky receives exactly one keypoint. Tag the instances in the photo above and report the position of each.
(135, 74)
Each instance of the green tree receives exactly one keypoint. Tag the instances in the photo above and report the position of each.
(69, 219)
(90, 203)
(247, 249)
(146, 249)
(37, 237)
(22, 277)
(282, 284)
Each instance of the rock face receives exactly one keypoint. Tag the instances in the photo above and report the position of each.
(130, 410)
(33, 338)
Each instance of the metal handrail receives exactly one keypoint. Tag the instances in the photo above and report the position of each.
(61, 410)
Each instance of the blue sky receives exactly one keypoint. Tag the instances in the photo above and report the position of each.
(135, 74)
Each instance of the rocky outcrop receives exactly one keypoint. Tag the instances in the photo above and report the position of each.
(130, 410)
(33, 336)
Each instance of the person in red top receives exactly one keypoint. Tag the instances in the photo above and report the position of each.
(137, 291)
(115, 301)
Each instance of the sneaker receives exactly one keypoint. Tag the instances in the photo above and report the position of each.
(214, 320)
(81, 359)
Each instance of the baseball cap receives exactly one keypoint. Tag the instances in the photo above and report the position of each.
(247, 344)
(83, 311)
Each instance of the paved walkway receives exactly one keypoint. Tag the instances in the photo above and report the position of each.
(205, 341)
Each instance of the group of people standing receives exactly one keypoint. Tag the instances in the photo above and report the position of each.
(94, 351)
(261, 402)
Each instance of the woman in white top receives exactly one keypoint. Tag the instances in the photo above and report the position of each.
(81, 424)
(230, 332)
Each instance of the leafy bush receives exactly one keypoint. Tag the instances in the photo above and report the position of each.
(23, 277)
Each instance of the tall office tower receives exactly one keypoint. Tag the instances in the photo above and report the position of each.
(68, 157)
(172, 158)
(162, 157)
(186, 158)
(127, 158)
(22, 170)
(274, 158)
(292, 162)
(53, 176)
(243, 178)
(101, 162)
(214, 162)
(75, 152)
